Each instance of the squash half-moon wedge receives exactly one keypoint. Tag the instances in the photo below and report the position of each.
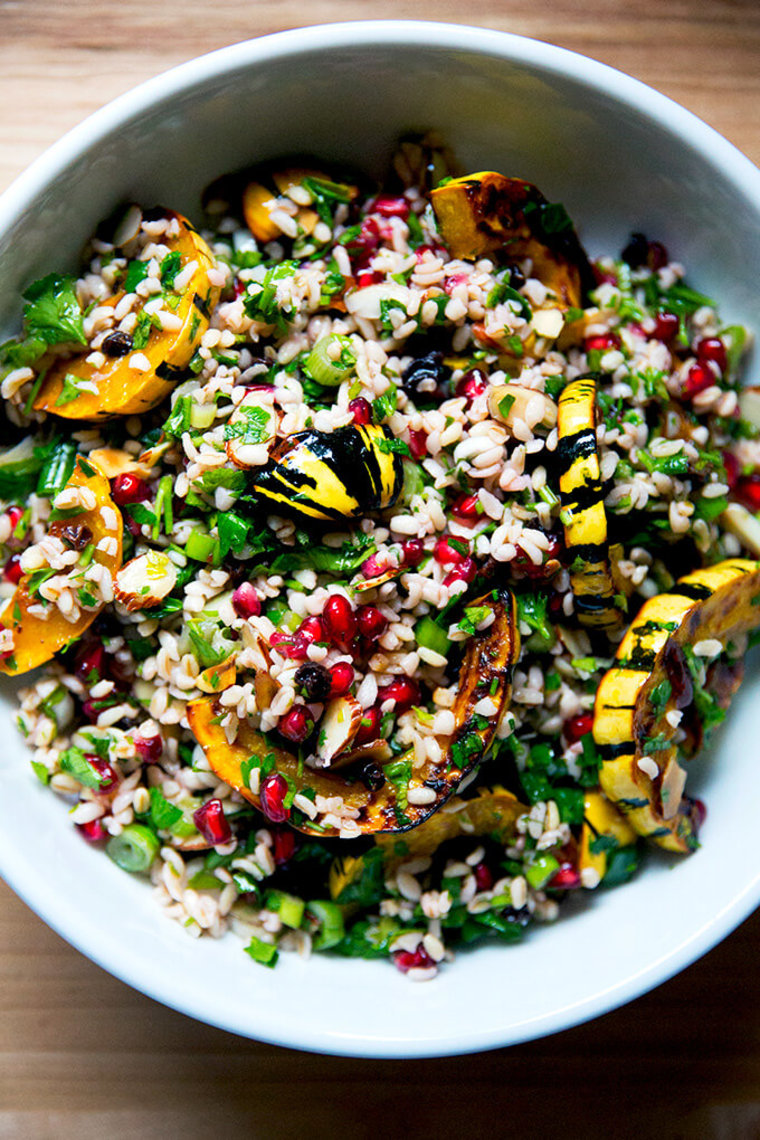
(76, 389)
(487, 212)
(486, 672)
(37, 639)
(640, 772)
(597, 602)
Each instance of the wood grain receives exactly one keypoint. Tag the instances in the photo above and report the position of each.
(82, 1055)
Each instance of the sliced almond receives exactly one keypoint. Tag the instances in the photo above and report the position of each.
(509, 402)
(365, 584)
(671, 788)
(252, 427)
(145, 581)
(265, 688)
(338, 728)
(112, 461)
(749, 405)
(378, 750)
(548, 323)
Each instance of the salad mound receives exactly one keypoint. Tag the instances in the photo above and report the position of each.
(386, 555)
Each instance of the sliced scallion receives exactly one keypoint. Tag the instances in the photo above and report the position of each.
(331, 360)
(331, 926)
(135, 849)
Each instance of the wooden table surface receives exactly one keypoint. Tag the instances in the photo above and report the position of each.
(82, 1055)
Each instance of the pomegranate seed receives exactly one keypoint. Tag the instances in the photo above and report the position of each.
(602, 343)
(14, 516)
(731, 464)
(212, 822)
(465, 507)
(12, 571)
(390, 207)
(311, 629)
(417, 444)
(90, 712)
(464, 572)
(128, 488)
(699, 377)
(369, 726)
(404, 691)
(665, 327)
(472, 384)
(362, 247)
(340, 619)
(288, 646)
(529, 568)
(361, 410)
(93, 832)
(448, 554)
(566, 878)
(577, 726)
(657, 255)
(556, 606)
(713, 349)
(245, 601)
(90, 662)
(296, 724)
(284, 845)
(371, 622)
(407, 960)
(149, 748)
(451, 283)
(103, 771)
(374, 566)
(747, 491)
(134, 527)
(483, 877)
(271, 794)
(698, 813)
(368, 277)
(342, 678)
(413, 551)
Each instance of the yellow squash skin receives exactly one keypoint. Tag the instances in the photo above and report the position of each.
(332, 475)
(120, 389)
(36, 640)
(597, 602)
(486, 212)
(489, 662)
(718, 602)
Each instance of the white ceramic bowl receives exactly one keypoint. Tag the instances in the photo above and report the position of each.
(621, 158)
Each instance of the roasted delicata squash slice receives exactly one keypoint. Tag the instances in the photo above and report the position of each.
(83, 388)
(301, 185)
(486, 672)
(493, 812)
(597, 602)
(332, 475)
(601, 821)
(487, 213)
(38, 626)
(634, 725)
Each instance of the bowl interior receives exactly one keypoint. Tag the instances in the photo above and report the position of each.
(621, 158)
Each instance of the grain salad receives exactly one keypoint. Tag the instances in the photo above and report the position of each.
(380, 557)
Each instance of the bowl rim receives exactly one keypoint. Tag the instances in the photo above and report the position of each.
(28, 881)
